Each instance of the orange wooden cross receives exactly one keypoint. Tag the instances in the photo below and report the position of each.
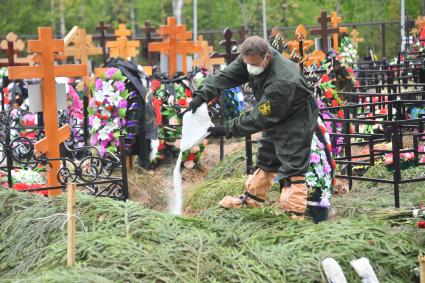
(354, 37)
(79, 44)
(49, 49)
(335, 20)
(175, 42)
(300, 32)
(420, 22)
(204, 59)
(123, 47)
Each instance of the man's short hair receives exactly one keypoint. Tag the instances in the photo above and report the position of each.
(254, 45)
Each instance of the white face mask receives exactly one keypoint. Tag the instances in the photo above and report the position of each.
(256, 70)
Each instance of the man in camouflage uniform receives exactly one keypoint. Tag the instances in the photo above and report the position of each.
(285, 113)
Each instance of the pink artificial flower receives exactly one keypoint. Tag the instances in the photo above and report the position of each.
(314, 158)
(119, 85)
(99, 84)
(421, 148)
(388, 159)
(326, 168)
(408, 155)
(110, 72)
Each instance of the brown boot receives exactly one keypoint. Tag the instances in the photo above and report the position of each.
(293, 197)
(256, 188)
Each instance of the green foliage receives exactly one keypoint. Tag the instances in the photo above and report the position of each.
(123, 242)
(208, 194)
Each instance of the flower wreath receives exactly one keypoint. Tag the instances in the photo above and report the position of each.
(108, 111)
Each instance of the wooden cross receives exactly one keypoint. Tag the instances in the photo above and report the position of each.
(204, 59)
(324, 31)
(102, 37)
(420, 22)
(49, 49)
(242, 34)
(80, 45)
(354, 37)
(175, 42)
(12, 45)
(122, 47)
(314, 57)
(228, 44)
(148, 34)
(300, 35)
(335, 20)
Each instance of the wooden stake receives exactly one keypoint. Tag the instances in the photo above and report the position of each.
(71, 225)
(422, 268)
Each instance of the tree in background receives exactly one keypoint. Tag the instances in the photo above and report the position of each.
(23, 16)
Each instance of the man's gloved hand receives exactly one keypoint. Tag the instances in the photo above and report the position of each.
(217, 132)
(195, 103)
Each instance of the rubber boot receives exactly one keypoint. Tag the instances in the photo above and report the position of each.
(293, 196)
(257, 187)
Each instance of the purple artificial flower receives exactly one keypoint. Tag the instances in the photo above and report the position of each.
(99, 84)
(122, 104)
(314, 158)
(110, 72)
(119, 85)
(103, 123)
(122, 122)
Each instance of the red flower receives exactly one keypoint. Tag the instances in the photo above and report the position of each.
(20, 186)
(155, 84)
(325, 78)
(349, 70)
(329, 93)
(98, 103)
(356, 83)
(322, 129)
(341, 114)
(105, 117)
(6, 99)
(110, 107)
(98, 115)
(334, 103)
(333, 163)
(188, 92)
(329, 147)
(421, 224)
(157, 108)
(192, 157)
(161, 146)
(5, 90)
(182, 102)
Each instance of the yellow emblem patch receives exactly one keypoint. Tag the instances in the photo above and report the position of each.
(265, 108)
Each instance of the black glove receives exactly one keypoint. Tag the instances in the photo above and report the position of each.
(195, 103)
(217, 132)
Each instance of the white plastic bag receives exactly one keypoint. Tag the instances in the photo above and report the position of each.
(194, 131)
